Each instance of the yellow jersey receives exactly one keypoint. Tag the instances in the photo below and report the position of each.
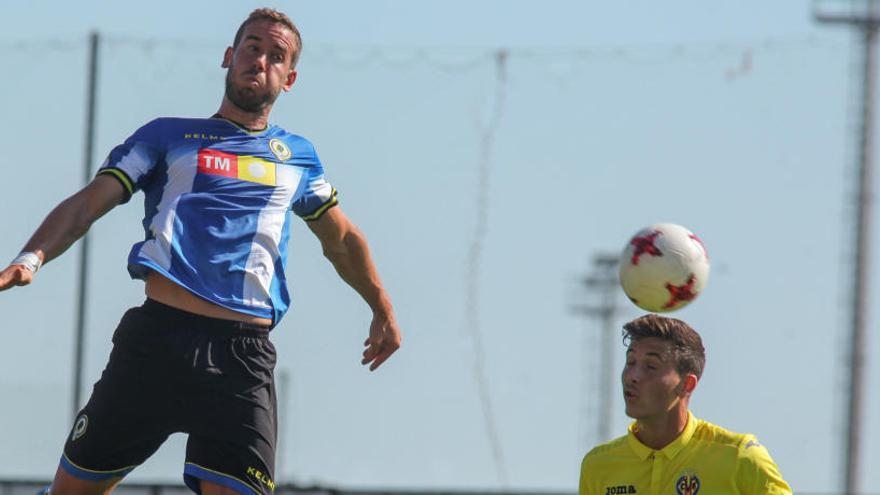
(704, 460)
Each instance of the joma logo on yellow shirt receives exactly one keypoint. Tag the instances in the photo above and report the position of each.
(620, 490)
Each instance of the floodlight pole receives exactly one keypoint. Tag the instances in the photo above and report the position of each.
(867, 24)
(81, 294)
(604, 281)
(283, 400)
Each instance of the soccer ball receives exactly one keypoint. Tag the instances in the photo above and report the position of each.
(664, 267)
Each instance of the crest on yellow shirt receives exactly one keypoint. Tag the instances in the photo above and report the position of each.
(688, 484)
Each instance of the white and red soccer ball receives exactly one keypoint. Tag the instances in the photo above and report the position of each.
(664, 267)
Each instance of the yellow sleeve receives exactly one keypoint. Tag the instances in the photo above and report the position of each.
(756, 473)
(584, 487)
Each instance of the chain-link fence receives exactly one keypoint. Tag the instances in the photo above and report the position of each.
(30, 487)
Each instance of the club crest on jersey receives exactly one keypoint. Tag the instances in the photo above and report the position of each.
(687, 484)
(79, 427)
(279, 149)
(247, 168)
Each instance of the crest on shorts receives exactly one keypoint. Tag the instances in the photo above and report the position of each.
(688, 484)
(279, 149)
(79, 427)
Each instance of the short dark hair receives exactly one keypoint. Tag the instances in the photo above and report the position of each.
(275, 16)
(688, 351)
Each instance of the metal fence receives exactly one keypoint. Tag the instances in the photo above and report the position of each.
(30, 487)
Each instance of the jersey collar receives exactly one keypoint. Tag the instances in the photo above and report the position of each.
(671, 450)
(241, 127)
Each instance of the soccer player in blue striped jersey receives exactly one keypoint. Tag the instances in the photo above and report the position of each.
(196, 357)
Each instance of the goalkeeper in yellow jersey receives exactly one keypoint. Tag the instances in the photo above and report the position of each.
(668, 451)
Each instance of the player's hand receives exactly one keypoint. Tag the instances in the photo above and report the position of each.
(383, 341)
(14, 275)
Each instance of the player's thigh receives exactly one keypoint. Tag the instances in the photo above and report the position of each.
(129, 413)
(209, 488)
(234, 431)
(67, 484)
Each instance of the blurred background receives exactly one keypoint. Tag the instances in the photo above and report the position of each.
(492, 152)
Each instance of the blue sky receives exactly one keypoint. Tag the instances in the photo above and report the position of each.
(616, 115)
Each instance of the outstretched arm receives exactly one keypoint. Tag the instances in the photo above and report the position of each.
(346, 247)
(69, 221)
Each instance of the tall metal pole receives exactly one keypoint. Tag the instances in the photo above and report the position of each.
(88, 156)
(862, 265)
(603, 281)
(867, 23)
(605, 312)
(284, 401)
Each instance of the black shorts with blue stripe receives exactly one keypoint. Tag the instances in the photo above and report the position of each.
(172, 371)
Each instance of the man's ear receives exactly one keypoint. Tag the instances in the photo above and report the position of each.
(688, 384)
(227, 58)
(291, 78)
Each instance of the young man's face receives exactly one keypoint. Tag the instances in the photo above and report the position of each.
(652, 387)
(259, 68)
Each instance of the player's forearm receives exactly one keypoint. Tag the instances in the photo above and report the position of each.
(71, 219)
(351, 259)
(62, 227)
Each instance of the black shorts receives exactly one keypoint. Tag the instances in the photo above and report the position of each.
(172, 371)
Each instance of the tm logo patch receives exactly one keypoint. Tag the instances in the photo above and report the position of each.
(246, 168)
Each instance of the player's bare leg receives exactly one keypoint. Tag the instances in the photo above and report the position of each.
(67, 484)
(209, 488)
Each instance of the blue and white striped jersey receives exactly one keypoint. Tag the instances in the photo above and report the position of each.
(216, 206)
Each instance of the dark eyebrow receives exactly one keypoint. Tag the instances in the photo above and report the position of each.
(653, 354)
(276, 46)
(649, 353)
